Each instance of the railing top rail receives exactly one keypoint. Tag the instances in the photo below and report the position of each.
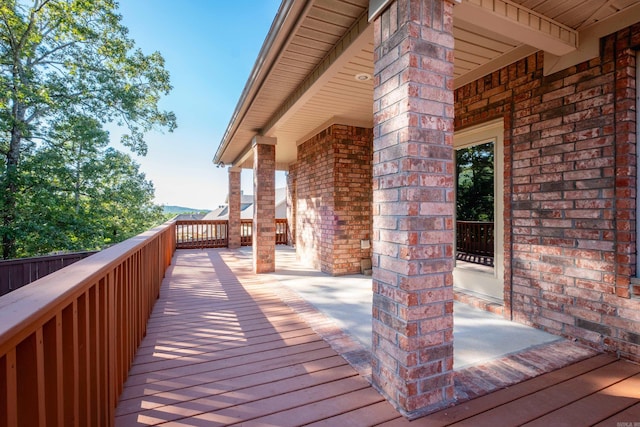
(28, 304)
(201, 221)
(474, 222)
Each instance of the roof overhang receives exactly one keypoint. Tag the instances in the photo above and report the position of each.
(309, 72)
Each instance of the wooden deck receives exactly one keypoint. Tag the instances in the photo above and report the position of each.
(222, 349)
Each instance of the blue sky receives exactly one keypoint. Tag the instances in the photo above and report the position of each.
(210, 47)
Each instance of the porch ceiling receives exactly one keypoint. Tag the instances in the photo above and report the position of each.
(305, 76)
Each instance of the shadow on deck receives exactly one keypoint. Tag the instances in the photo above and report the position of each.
(223, 348)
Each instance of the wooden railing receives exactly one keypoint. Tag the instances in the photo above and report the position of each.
(15, 273)
(475, 238)
(282, 232)
(67, 340)
(246, 232)
(200, 234)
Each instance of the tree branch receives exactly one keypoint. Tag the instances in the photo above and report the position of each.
(38, 61)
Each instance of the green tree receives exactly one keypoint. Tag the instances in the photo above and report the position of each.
(62, 59)
(474, 198)
(79, 194)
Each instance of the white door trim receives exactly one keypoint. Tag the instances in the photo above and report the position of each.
(479, 282)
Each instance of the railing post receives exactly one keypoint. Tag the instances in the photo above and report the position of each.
(234, 207)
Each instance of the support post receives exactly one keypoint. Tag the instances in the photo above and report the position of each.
(235, 203)
(264, 212)
(413, 205)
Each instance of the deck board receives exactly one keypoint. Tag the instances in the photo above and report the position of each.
(478, 406)
(222, 349)
(629, 416)
(594, 408)
(538, 404)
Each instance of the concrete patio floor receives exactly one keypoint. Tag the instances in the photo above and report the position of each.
(490, 352)
(479, 336)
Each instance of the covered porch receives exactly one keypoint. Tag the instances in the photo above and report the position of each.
(225, 346)
(382, 111)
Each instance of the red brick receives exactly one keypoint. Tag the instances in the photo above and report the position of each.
(264, 210)
(569, 204)
(332, 175)
(235, 198)
(416, 171)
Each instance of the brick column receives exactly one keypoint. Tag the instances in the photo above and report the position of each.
(413, 205)
(235, 196)
(292, 203)
(264, 204)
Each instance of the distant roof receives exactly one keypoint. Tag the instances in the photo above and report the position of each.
(186, 217)
(246, 207)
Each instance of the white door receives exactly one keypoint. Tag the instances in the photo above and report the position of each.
(478, 277)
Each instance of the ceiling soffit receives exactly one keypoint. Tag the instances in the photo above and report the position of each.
(516, 22)
(310, 80)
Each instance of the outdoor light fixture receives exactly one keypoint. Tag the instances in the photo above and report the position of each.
(362, 77)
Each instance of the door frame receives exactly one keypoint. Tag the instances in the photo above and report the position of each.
(492, 131)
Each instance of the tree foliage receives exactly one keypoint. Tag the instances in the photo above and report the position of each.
(474, 198)
(67, 68)
(80, 194)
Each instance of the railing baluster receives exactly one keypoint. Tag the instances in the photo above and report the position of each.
(70, 364)
(93, 359)
(83, 359)
(101, 345)
(40, 377)
(29, 374)
(474, 241)
(112, 365)
(10, 382)
(52, 336)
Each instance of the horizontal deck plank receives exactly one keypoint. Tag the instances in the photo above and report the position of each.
(628, 417)
(153, 363)
(319, 410)
(253, 409)
(477, 406)
(543, 401)
(184, 341)
(178, 347)
(369, 415)
(229, 384)
(187, 403)
(595, 407)
(139, 391)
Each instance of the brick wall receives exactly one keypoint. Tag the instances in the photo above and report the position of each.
(314, 185)
(352, 151)
(570, 171)
(333, 199)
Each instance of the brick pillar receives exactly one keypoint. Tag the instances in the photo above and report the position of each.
(291, 204)
(264, 204)
(235, 196)
(413, 204)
